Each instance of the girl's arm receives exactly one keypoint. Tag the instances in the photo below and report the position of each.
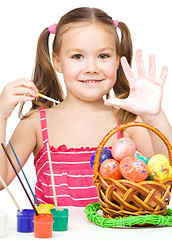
(23, 141)
(145, 101)
(13, 93)
(161, 122)
(3, 163)
(148, 143)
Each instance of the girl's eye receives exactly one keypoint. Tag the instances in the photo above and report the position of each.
(77, 56)
(104, 56)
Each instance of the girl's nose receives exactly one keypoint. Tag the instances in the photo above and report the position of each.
(91, 66)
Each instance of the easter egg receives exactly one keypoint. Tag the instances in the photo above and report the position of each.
(143, 158)
(105, 154)
(134, 169)
(110, 168)
(122, 148)
(158, 167)
(170, 173)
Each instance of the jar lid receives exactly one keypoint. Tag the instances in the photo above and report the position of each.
(43, 217)
(61, 212)
(26, 213)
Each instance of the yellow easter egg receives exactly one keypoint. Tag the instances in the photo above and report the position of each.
(170, 173)
(158, 167)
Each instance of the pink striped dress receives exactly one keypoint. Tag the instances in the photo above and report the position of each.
(73, 174)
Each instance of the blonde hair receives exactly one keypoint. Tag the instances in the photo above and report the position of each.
(45, 77)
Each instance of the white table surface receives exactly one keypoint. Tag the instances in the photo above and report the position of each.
(80, 228)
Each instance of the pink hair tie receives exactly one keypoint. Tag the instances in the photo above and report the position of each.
(52, 28)
(116, 23)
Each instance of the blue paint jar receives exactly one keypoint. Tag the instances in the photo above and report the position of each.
(25, 220)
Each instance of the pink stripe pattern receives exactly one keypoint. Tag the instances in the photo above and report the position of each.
(72, 173)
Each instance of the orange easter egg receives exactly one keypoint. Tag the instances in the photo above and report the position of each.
(110, 168)
(134, 169)
(122, 148)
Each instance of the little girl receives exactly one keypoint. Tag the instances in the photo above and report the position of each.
(93, 61)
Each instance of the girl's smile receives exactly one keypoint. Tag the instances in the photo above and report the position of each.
(91, 81)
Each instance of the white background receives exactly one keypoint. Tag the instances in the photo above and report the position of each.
(21, 23)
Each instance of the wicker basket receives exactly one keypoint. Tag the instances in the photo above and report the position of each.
(136, 198)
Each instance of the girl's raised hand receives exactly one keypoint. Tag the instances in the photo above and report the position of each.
(145, 92)
(20, 90)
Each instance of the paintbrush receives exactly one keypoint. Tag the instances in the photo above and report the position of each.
(33, 206)
(23, 173)
(52, 177)
(11, 195)
(48, 98)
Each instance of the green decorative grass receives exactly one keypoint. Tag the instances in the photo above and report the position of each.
(92, 215)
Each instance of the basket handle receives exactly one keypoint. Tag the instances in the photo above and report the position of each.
(122, 127)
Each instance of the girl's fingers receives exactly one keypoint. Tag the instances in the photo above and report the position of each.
(116, 102)
(163, 76)
(24, 98)
(128, 72)
(21, 90)
(152, 67)
(140, 64)
(24, 91)
(14, 99)
(24, 82)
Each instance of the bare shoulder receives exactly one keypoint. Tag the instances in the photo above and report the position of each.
(32, 115)
(24, 138)
(56, 113)
(27, 127)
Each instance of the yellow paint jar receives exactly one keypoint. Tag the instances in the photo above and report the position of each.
(44, 208)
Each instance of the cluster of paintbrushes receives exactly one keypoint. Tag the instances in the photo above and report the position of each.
(5, 186)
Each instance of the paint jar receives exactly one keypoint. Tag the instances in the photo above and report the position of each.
(25, 220)
(2, 225)
(60, 219)
(43, 225)
(44, 208)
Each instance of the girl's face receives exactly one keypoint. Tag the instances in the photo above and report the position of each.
(88, 61)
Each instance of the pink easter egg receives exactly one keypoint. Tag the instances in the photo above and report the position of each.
(122, 148)
(134, 169)
(110, 168)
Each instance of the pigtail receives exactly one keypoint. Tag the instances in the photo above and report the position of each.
(121, 87)
(44, 75)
